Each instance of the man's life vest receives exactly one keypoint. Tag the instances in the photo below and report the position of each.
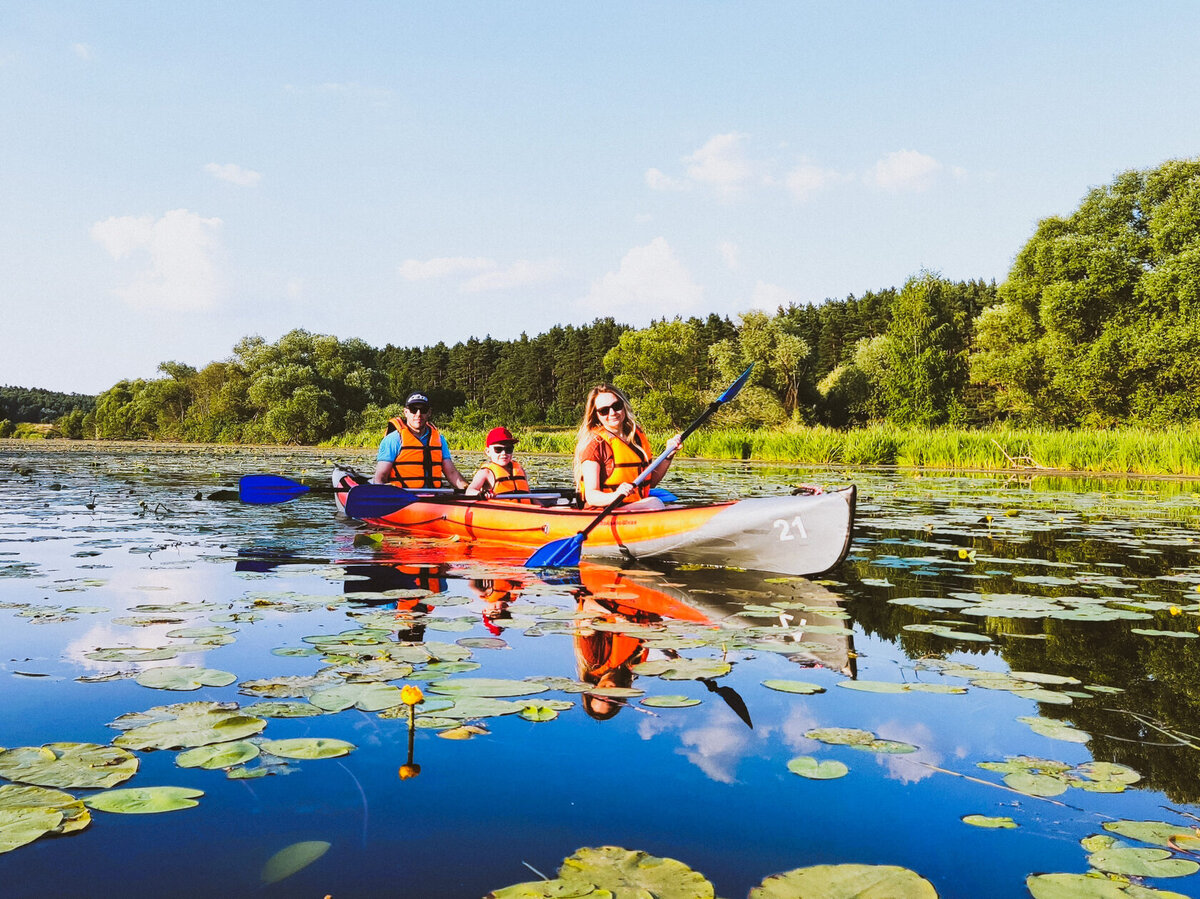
(417, 464)
(508, 481)
(628, 462)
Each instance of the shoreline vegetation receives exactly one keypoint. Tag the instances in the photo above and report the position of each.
(1143, 452)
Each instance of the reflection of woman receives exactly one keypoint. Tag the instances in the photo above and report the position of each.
(611, 451)
(605, 658)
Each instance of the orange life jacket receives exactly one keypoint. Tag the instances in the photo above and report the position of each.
(628, 462)
(417, 464)
(506, 481)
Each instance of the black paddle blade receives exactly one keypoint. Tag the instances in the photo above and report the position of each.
(562, 553)
(377, 500)
(269, 488)
(732, 698)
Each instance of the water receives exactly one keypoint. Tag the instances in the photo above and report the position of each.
(952, 583)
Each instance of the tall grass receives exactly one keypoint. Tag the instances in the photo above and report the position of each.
(1141, 451)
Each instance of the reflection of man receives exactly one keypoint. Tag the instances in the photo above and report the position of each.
(413, 453)
(496, 594)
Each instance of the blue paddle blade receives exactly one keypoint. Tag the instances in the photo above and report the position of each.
(562, 553)
(377, 500)
(664, 494)
(736, 386)
(269, 488)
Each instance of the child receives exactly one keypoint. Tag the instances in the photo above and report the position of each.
(501, 473)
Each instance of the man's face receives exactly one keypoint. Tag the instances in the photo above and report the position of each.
(416, 416)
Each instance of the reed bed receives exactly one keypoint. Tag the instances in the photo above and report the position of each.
(1140, 451)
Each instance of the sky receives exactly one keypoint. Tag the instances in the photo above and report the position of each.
(177, 176)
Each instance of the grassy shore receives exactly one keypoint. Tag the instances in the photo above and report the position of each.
(1173, 451)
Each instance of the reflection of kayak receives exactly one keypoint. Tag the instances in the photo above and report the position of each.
(803, 534)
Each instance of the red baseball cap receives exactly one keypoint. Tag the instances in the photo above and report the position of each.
(499, 435)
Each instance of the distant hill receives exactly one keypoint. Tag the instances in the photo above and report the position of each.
(33, 404)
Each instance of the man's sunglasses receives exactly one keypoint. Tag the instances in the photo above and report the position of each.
(416, 409)
(618, 406)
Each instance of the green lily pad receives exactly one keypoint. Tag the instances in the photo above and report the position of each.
(1158, 833)
(1142, 863)
(804, 688)
(840, 736)
(873, 686)
(144, 800)
(624, 873)
(999, 823)
(1036, 784)
(538, 713)
(21, 826)
(807, 766)
(369, 697)
(287, 861)
(1055, 730)
(463, 732)
(68, 765)
(75, 815)
(308, 748)
(185, 725)
(1089, 886)
(217, 755)
(486, 687)
(1107, 772)
(845, 882)
(184, 677)
(683, 669)
(670, 701)
(283, 710)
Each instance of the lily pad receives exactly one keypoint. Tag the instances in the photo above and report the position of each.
(144, 800)
(68, 765)
(1089, 886)
(845, 882)
(670, 701)
(217, 755)
(184, 677)
(20, 826)
(75, 816)
(486, 687)
(538, 713)
(807, 766)
(287, 861)
(997, 823)
(625, 874)
(1142, 863)
(1158, 833)
(683, 669)
(793, 686)
(185, 725)
(308, 748)
(1055, 730)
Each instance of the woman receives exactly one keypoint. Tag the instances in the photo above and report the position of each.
(612, 451)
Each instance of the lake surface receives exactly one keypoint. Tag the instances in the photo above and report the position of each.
(1013, 648)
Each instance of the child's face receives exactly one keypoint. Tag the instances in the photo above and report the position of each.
(501, 453)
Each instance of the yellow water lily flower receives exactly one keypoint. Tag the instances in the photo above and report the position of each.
(410, 695)
(1175, 610)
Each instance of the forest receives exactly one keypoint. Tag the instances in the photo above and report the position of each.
(1097, 325)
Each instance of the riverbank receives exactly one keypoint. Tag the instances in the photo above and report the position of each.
(1173, 452)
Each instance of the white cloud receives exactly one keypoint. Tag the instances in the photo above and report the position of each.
(730, 254)
(181, 248)
(656, 180)
(234, 174)
(769, 297)
(716, 748)
(443, 267)
(521, 273)
(904, 170)
(650, 280)
(83, 51)
(807, 179)
(721, 164)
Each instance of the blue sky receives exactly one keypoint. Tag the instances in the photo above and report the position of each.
(175, 176)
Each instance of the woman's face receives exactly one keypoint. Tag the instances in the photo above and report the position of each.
(610, 410)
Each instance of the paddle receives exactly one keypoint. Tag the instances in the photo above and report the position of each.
(732, 698)
(272, 488)
(565, 553)
(377, 500)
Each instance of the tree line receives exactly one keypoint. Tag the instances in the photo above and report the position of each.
(1096, 325)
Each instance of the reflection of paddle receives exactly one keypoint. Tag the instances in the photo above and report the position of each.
(565, 553)
(732, 698)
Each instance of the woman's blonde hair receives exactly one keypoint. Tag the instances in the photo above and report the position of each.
(591, 420)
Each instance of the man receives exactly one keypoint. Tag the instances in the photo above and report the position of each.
(413, 453)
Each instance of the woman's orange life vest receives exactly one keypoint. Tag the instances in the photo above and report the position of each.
(629, 461)
(417, 464)
(506, 481)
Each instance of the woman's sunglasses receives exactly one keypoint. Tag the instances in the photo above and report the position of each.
(618, 406)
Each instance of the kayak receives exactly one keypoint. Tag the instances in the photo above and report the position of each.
(802, 534)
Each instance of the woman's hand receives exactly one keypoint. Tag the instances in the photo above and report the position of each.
(623, 490)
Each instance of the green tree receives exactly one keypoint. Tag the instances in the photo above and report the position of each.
(1098, 317)
(659, 368)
